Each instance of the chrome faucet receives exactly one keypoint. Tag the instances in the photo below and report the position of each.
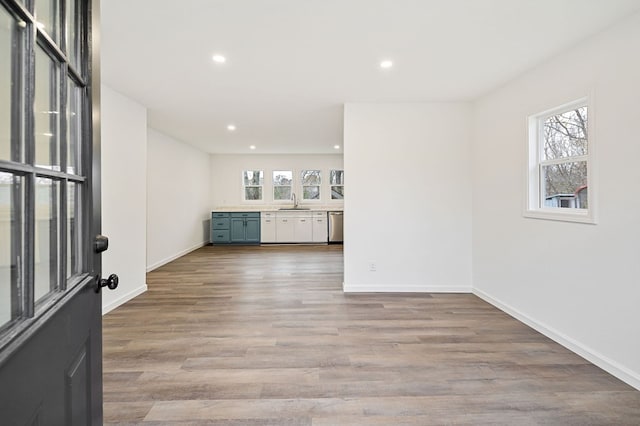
(295, 200)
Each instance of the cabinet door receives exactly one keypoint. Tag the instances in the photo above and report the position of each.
(303, 230)
(252, 230)
(320, 230)
(268, 230)
(285, 230)
(237, 230)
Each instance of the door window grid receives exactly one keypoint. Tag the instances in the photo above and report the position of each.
(41, 203)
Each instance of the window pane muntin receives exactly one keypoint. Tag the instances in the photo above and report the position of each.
(565, 134)
(47, 111)
(73, 35)
(11, 243)
(47, 233)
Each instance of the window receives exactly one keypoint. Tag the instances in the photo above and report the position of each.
(559, 164)
(336, 181)
(252, 181)
(311, 181)
(282, 182)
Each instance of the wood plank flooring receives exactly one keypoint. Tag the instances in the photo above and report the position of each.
(265, 336)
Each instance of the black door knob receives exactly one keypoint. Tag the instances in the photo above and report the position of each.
(111, 282)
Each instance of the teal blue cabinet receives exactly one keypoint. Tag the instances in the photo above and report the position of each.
(235, 228)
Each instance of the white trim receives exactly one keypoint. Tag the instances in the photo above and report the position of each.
(175, 256)
(123, 299)
(395, 288)
(614, 368)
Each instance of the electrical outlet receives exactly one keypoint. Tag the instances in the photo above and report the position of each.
(373, 267)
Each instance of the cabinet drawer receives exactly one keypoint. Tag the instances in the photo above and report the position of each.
(319, 214)
(220, 236)
(268, 215)
(247, 214)
(220, 223)
(218, 215)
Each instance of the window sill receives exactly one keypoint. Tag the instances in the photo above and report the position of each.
(562, 215)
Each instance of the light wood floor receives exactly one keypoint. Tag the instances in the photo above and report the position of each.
(265, 336)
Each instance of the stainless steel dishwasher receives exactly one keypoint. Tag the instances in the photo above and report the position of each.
(335, 227)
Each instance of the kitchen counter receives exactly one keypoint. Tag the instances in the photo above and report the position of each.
(272, 208)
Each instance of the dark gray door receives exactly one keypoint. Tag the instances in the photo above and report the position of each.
(50, 311)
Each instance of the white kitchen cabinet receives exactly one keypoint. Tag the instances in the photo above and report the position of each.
(268, 227)
(319, 227)
(303, 229)
(285, 231)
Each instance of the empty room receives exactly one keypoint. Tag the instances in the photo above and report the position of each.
(196, 212)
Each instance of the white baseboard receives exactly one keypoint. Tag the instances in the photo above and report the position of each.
(123, 299)
(630, 377)
(395, 288)
(175, 256)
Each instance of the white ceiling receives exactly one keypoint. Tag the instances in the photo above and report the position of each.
(292, 64)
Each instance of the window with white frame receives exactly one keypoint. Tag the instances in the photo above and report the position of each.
(559, 164)
(311, 180)
(336, 183)
(252, 183)
(282, 185)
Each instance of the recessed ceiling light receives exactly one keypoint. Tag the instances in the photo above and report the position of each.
(219, 59)
(231, 127)
(386, 64)
(336, 147)
(252, 147)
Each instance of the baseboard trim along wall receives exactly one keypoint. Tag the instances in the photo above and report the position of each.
(610, 366)
(175, 256)
(395, 288)
(123, 299)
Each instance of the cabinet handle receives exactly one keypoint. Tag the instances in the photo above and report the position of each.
(303, 220)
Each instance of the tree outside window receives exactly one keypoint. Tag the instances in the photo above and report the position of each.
(252, 181)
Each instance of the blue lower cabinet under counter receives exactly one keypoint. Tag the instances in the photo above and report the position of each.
(235, 228)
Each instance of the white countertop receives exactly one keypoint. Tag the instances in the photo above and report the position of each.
(275, 208)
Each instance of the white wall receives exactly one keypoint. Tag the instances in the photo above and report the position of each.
(178, 199)
(124, 195)
(226, 175)
(577, 283)
(408, 202)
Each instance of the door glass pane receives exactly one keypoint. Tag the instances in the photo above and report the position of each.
(47, 111)
(48, 17)
(10, 52)
(47, 247)
(11, 231)
(73, 35)
(74, 256)
(74, 128)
